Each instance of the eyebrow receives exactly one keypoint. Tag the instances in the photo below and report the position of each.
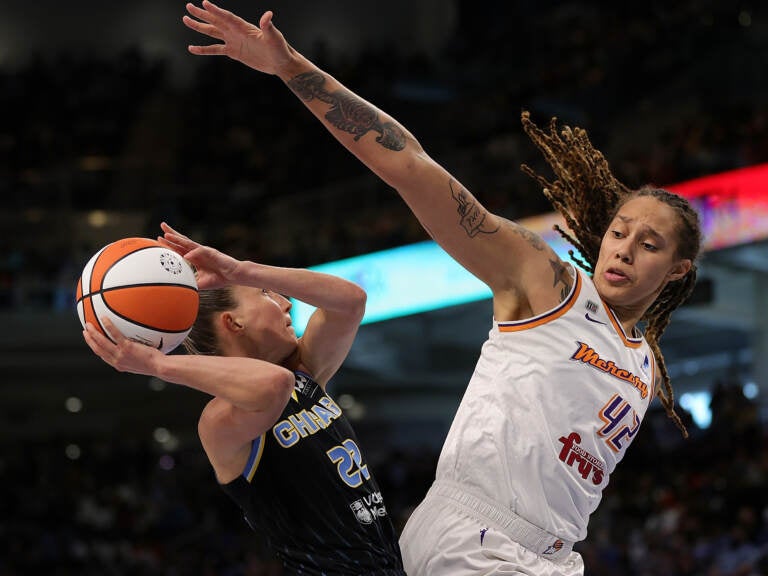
(646, 229)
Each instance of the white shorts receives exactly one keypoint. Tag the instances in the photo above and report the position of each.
(444, 537)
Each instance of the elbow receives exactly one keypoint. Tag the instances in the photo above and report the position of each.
(279, 390)
(358, 301)
(410, 169)
(351, 302)
(271, 394)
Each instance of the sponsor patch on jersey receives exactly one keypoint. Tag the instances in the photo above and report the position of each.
(362, 513)
(369, 507)
(589, 467)
(304, 384)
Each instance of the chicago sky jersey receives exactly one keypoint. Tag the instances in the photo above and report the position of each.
(308, 488)
(551, 407)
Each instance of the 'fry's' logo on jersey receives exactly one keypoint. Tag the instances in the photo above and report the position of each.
(587, 355)
(574, 455)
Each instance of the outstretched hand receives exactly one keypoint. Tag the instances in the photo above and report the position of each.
(261, 47)
(214, 269)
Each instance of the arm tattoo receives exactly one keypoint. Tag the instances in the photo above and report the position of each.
(348, 112)
(531, 237)
(471, 214)
(561, 277)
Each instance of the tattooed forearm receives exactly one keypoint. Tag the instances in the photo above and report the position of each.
(309, 86)
(348, 112)
(531, 237)
(472, 216)
(561, 277)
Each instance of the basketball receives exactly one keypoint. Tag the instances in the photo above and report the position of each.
(148, 291)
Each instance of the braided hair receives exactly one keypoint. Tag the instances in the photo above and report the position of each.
(588, 196)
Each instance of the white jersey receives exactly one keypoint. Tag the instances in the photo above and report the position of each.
(551, 408)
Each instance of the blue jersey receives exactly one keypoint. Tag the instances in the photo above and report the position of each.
(308, 488)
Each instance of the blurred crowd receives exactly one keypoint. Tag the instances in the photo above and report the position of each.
(668, 91)
(692, 507)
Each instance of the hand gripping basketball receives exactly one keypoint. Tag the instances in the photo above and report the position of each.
(213, 269)
(147, 290)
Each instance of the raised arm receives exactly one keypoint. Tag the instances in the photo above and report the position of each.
(340, 304)
(511, 260)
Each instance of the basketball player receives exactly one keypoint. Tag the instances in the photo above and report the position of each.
(278, 444)
(566, 374)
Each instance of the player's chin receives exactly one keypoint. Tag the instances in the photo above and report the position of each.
(613, 295)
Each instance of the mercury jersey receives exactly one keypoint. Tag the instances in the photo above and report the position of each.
(308, 488)
(553, 404)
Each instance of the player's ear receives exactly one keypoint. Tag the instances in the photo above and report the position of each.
(679, 269)
(230, 322)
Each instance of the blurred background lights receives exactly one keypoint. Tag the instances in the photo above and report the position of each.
(161, 435)
(164, 437)
(98, 218)
(156, 384)
(691, 367)
(72, 451)
(73, 404)
(166, 462)
(751, 390)
(352, 408)
(698, 404)
(346, 401)
(745, 18)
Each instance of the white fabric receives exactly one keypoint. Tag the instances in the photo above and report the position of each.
(443, 540)
(548, 413)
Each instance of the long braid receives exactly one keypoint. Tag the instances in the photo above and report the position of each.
(585, 191)
(658, 317)
(587, 195)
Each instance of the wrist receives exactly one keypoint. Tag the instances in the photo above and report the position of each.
(159, 366)
(241, 273)
(295, 65)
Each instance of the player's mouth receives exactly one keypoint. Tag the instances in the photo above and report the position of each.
(615, 276)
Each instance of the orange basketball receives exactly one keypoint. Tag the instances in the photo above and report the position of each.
(148, 291)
